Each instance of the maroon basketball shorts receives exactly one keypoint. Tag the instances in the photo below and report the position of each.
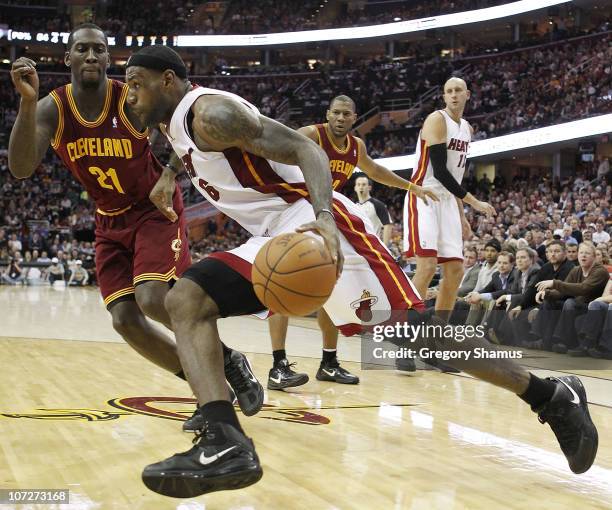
(139, 245)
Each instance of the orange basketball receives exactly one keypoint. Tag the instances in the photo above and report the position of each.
(293, 274)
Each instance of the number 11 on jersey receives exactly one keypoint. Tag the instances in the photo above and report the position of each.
(462, 161)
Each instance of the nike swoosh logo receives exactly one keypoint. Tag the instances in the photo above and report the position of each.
(251, 374)
(331, 374)
(277, 381)
(576, 399)
(204, 460)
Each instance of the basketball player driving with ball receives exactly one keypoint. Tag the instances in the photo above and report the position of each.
(273, 181)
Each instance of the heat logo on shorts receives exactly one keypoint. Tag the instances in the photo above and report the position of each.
(363, 306)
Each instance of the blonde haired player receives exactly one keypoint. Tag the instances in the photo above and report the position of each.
(434, 231)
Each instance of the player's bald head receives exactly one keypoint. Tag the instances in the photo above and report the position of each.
(455, 95)
(455, 80)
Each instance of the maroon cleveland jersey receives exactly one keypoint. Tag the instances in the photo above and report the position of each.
(108, 156)
(341, 162)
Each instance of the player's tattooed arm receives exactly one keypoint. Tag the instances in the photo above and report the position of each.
(36, 122)
(221, 122)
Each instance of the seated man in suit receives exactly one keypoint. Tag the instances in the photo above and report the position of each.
(485, 273)
(557, 268)
(471, 270)
(500, 283)
(526, 272)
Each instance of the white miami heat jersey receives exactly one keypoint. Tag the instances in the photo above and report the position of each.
(252, 190)
(458, 138)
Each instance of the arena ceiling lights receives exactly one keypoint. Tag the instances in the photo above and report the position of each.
(574, 130)
(384, 30)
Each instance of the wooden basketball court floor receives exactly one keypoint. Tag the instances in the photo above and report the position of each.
(80, 411)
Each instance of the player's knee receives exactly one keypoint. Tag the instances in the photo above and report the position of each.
(150, 298)
(427, 266)
(187, 302)
(127, 322)
(453, 271)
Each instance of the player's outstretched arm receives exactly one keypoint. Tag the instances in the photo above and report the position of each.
(385, 176)
(222, 122)
(434, 134)
(35, 124)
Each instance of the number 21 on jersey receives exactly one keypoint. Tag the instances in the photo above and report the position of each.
(103, 178)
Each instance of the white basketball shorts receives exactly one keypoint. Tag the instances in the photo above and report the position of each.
(371, 280)
(433, 229)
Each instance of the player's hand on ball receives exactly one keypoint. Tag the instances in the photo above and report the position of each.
(325, 226)
(25, 78)
(162, 193)
(424, 193)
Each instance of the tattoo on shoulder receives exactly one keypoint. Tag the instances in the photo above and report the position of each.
(228, 121)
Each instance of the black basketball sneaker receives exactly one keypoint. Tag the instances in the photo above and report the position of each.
(332, 371)
(222, 458)
(567, 414)
(282, 376)
(196, 421)
(239, 375)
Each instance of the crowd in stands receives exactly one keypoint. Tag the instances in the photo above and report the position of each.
(542, 86)
(170, 17)
(528, 206)
(118, 18)
(525, 89)
(35, 16)
(147, 17)
(539, 274)
(221, 234)
(265, 16)
(44, 218)
(173, 17)
(370, 13)
(245, 17)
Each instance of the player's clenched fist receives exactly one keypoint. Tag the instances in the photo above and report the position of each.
(25, 78)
